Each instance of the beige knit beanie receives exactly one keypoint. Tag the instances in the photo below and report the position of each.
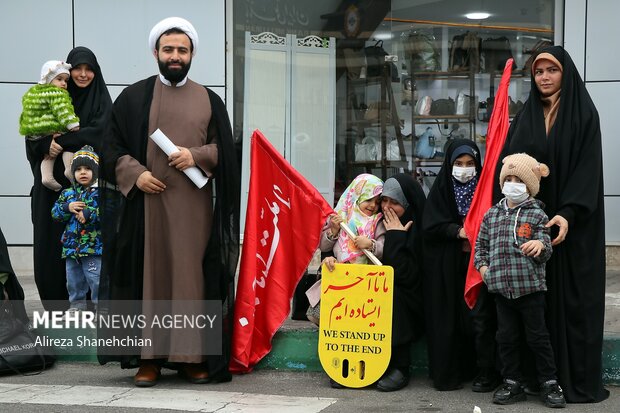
(526, 168)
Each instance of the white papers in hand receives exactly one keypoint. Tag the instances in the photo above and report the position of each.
(169, 148)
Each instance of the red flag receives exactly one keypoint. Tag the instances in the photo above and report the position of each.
(483, 197)
(283, 224)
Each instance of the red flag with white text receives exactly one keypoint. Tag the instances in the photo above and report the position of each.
(483, 197)
(284, 217)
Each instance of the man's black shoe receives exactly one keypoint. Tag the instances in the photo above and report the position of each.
(552, 395)
(485, 382)
(393, 380)
(511, 392)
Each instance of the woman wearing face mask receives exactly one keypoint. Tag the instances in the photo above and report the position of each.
(559, 126)
(451, 338)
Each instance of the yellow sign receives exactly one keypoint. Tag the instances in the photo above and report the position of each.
(355, 332)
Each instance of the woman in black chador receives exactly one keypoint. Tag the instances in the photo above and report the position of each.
(453, 343)
(559, 126)
(402, 204)
(92, 104)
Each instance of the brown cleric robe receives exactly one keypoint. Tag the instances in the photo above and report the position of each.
(178, 220)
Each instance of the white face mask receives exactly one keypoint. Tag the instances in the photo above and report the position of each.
(463, 175)
(516, 192)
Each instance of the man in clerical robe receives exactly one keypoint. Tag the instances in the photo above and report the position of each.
(168, 239)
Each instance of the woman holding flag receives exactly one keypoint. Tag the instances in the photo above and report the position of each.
(559, 125)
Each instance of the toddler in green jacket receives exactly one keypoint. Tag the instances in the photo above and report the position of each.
(48, 110)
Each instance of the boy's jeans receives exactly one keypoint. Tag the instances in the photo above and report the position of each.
(82, 274)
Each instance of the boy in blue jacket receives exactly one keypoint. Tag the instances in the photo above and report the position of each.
(78, 208)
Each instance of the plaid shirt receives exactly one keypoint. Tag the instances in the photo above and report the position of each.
(502, 232)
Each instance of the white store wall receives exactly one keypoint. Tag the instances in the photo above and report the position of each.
(591, 31)
(117, 31)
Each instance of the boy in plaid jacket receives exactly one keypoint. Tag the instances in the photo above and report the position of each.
(511, 250)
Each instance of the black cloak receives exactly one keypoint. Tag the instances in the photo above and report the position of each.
(92, 105)
(403, 252)
(573, 190)
(450, 340)
(123, 218)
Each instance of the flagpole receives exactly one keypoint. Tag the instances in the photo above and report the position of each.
(369, 254)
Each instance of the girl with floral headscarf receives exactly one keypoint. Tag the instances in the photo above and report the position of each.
(358, 208)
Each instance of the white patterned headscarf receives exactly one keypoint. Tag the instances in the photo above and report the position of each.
(172, 23)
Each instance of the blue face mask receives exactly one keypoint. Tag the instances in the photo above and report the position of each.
(516, 192)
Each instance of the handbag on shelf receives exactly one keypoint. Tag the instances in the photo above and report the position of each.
(485, 108)
(495, 53)
(392, 152)
(425, 145)
(420, 49)
(373, 113)
(442, 107)
(423, 106)
(465, 52)
(366, 150)
(20, 352)
(463, 103)
(375, 58)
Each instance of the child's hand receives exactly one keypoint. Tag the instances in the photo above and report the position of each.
(334, 224)
(362, 242)
(55, 148)
(532, 248)
(80, 217)
(77, 206)
(330, 263)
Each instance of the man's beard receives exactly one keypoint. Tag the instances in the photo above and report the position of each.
(174, 75)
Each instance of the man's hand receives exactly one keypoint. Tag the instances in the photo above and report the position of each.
(182, 159)
(483, 271)
(148, 184)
